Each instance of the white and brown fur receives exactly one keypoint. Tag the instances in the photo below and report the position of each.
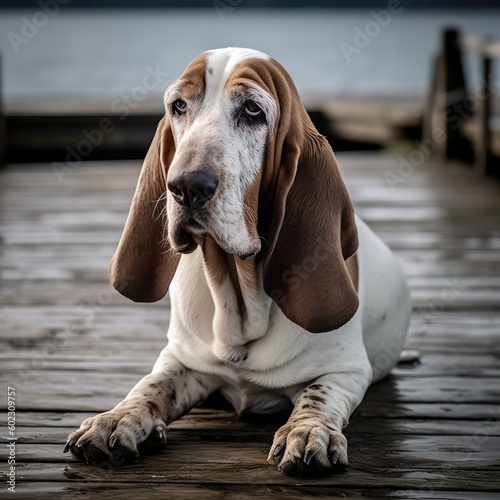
(281, 297)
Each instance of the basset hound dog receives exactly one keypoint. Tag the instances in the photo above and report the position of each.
(281, 297)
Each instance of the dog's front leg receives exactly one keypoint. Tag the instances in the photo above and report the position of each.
(159, 398)
(311, 442)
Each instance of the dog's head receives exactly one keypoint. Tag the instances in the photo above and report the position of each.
(237, 160)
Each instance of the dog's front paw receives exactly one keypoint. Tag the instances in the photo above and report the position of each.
(113, 437)
(308, 448)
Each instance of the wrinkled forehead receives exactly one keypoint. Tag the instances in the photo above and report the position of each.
(212, 72)
(222, 63)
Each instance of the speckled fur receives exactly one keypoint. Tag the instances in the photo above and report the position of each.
(226, 333)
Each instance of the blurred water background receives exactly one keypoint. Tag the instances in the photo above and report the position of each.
(96, 55)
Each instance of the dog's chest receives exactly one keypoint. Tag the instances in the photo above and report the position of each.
(211, 310)
(283, 357)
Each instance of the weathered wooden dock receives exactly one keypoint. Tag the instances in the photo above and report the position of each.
(71, 346)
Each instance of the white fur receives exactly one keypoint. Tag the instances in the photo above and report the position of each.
(287, 355)
(235, 155)
(262, 362)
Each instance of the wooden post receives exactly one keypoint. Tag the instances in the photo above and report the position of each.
(482, 158)
(3, 134)
(445, 108)
(433, 118)
(455, 95)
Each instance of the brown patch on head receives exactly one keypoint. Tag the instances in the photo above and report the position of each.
(271, 77)
(290, 121)
(193, 78)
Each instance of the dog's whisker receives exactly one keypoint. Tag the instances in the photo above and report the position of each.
(252, 214)
(163, 197)
(163, 212)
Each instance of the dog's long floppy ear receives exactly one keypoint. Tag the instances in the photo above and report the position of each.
(312, 234)
(143, 264)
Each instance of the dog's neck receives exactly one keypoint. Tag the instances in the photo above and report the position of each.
(241, 306)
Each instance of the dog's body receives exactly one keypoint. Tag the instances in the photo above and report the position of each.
(242, 312)
(279, 365)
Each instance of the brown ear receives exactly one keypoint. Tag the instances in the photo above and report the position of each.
(312, 234)
(143, 264)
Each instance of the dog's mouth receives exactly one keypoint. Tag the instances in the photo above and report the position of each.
(187, 234)
(190, 227)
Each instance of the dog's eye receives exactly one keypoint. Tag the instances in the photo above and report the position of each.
(252, 111)
(179, 107)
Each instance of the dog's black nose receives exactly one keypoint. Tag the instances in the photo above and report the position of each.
(193, 189)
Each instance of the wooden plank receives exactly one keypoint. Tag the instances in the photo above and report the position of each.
(436, 410)
(59, 385)
(80, 400)
(225, 447)
(82, 343)
(390, 410)
(148, 490)
(200, 421)
(432, 363)
(163, 470)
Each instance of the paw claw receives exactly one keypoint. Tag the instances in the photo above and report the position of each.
(70, 442)
(161, 432)
(308, 448)
(275, 451)
(310, 454)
